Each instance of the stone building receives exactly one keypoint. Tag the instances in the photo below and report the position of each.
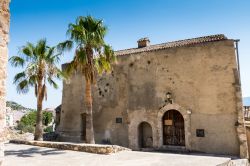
(4, 38)
(246, 110)
(9, 117)
(182, 95)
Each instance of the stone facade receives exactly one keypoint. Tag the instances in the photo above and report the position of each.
(4, 38)
(197, 78)
(246, 111)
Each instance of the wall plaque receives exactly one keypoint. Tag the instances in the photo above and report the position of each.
(168, 122)
(200, 133)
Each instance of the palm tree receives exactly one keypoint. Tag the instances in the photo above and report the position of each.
(92, 57)
(39, 63)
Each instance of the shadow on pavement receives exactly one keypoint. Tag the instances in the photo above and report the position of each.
(32, 151)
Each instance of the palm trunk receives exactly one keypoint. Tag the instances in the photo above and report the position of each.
(89, 118)
(39, 118)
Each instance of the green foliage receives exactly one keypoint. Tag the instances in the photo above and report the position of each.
(26, 128)
(47, 118)
(92, 55)
(39, 62)
(48, 129)
(28, 121)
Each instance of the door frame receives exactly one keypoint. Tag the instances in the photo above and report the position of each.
(186, 114)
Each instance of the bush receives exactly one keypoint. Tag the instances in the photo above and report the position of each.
(26, 128)
(47, 118)
(48, 129)
(28, 121)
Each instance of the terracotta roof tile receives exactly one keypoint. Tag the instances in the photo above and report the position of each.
(179, 43)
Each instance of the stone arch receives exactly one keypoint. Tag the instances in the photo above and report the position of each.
(186, 114)
(137, 117)
(145, 135)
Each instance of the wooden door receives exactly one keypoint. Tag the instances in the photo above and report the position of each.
(173, 128)
(83, 127)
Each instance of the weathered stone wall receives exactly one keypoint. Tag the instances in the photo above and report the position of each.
(4, 38)
(248, 137)
(71, 110)
(201, 79)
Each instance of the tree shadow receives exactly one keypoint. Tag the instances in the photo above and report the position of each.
(32, 151)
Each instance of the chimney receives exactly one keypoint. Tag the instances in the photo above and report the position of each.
(143, 42)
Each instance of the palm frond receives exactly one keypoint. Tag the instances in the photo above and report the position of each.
(92, 54)
(65, 46)
(33, 80)
(17, 61)
(23, 86)
(52, 56)
(109, 54)
(39, 62)
(60, 74)
(70, 67)
(19, 77)
(52, 83)
(41, 48)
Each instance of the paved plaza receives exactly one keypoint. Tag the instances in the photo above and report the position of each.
(26, 155)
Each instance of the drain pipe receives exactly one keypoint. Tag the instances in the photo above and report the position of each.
(240, 126)
(236, 42)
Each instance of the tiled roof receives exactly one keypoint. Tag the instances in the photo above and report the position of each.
(179, 43)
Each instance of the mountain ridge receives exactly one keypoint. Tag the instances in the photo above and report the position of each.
(17, 107)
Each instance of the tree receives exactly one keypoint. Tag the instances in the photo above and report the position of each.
(28, 121)
(92, 57)
(39, 63)
(47, 118)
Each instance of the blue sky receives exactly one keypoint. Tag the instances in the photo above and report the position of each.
(127, 20)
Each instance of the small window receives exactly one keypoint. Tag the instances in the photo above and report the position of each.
(118, 120)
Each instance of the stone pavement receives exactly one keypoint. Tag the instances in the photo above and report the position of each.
(26, 155)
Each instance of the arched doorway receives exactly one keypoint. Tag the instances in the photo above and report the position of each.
(145, 135)
(173, 128)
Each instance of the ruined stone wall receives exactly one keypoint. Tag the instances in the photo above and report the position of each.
(109, 94)
(4, 38)
(248, 137)
(201, 79)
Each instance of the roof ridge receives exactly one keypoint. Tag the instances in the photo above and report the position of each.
(172, 44)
